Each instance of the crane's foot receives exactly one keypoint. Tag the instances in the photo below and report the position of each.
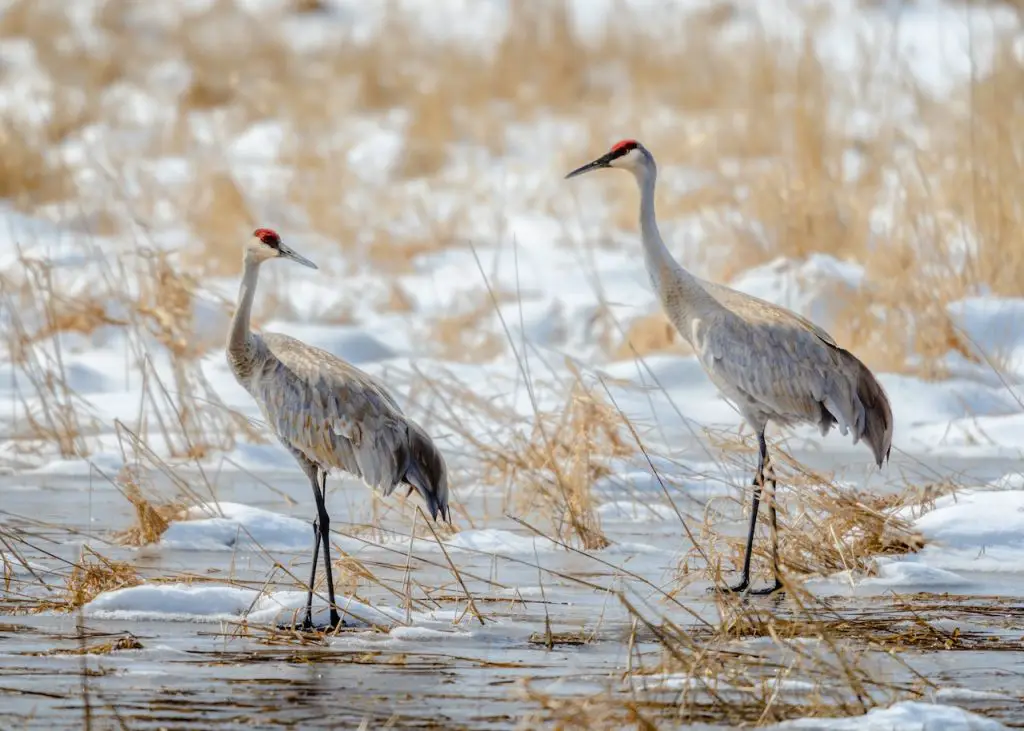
(739, 588)
(744, 588)
(307, 625)
(777, 587)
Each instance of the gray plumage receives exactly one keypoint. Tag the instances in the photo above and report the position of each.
(777, 366)
(773, 364)
(338, 418)
(329, 414)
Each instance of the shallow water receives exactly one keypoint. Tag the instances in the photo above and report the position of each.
(446, 675)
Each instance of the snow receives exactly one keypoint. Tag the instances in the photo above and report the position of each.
(550, 274)
(172, 602)
(904, 715)
(973, 537)
(212, 603)
(974, 531)
(993, 328)
(490, 540)
(232, 526)
(814, 287)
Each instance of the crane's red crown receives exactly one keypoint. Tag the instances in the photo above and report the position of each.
(268, 236)
(623, 146)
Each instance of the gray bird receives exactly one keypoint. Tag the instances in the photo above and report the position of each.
(329, 414)
(773, 364)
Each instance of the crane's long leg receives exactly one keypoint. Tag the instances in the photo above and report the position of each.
(769, 471)
(307, 623)
(319, 494)
(758, 484)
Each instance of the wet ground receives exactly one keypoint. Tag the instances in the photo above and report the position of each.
(138, 673)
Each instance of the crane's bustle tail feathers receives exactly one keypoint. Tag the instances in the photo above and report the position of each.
(877, 427)
(869, 416)
(427, 473)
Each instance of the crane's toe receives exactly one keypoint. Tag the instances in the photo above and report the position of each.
(312, 627)
(743, 587)
(735, 589)
(777, 587)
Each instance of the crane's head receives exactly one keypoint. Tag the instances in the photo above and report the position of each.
(627, 154)
(266, 244)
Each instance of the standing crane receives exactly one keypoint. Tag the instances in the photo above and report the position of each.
(329, 414)
(773, 364)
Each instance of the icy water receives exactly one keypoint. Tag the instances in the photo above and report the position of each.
(434, 673)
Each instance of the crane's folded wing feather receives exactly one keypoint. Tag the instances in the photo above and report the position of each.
(792, 371)
(332, 412)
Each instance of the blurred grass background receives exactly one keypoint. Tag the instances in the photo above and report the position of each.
(874, 166)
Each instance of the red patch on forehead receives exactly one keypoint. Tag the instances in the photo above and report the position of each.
(265, 233)
(624, 146)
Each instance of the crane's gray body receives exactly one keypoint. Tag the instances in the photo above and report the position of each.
(775, 365)
(330, 414)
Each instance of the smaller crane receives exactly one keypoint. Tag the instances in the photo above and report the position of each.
(328, 414)
(773, 364)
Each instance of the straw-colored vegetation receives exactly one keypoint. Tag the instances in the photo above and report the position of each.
(94, 574)
(767, 118)
(764, 119)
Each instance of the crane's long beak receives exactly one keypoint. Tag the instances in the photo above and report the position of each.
(601, 162)
(289, 254)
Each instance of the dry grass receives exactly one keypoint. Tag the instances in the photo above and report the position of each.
(149, 298)
(151, 520)
(767, 117)
(824, 527)
(738, 684)
(95, 574)
(119, 644)
(463, 336)
(556, 463)
(653, 333)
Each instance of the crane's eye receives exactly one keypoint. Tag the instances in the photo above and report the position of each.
(272, 241)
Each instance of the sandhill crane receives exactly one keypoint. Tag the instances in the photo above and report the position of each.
(328, 413)
(773, 364)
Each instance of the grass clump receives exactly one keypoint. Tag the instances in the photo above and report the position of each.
(151, 520)
(93, 575)
(556, 464)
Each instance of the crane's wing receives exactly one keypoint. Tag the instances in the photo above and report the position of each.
(783, 370)
(757, 309)
(790, 370)
(332, 412)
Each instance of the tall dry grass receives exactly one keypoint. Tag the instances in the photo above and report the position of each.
(766, 116)
(931, 214)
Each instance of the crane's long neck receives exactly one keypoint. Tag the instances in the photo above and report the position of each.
(681, 293)
(240, 336)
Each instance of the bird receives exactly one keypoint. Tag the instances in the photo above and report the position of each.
(771, 363)
(329, 414)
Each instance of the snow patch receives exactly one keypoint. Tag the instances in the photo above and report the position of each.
(233, 526)
(904, 715)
